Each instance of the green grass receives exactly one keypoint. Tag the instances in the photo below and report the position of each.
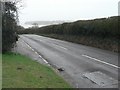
(22, 72)
(0, 70)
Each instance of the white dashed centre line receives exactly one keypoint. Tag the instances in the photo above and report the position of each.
(100, 61)
(60, 46)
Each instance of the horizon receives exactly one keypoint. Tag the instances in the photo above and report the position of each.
(29, 24)
(72, 10)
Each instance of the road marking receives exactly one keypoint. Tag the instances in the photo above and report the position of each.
(60, 46)
(41, 40)
(40, 56)
(35, 52)
(44, 60)
(100, 61)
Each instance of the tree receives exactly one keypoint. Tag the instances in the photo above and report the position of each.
(9, 24)
(35, 25)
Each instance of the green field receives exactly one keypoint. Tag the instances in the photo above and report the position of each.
(22, 72)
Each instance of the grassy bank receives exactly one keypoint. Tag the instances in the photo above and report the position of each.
(22, 72)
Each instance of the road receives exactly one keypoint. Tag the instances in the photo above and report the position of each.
(82, 66)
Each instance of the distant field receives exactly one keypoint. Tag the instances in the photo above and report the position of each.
(22, 72)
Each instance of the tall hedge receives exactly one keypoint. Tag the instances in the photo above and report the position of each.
(103, 27)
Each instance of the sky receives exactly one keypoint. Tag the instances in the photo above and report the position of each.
(71, 10)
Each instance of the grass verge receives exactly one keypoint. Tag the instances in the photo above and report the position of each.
(0, 71)
(22, 72)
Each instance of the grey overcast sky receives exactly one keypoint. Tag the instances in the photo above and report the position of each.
(50, 10)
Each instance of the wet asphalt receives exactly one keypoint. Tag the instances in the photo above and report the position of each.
(82, 66)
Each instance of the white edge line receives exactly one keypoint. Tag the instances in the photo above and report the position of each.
(35, 52)
(100, 61)
(44, 60)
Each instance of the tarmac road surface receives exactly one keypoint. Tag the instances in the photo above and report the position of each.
(82, 66)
